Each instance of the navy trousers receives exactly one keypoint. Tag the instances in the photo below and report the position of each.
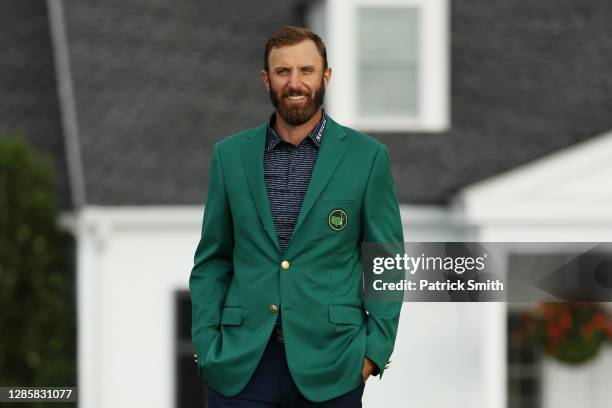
(272, 386)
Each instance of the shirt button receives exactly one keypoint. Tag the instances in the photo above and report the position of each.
(285, 264)
(273, 308)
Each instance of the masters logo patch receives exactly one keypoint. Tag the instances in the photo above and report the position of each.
(337, 219)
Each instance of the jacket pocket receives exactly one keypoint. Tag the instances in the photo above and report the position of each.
(337, 197)
(344, 314)
(231, 315)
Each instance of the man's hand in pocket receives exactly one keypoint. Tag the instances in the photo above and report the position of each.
(368, 368)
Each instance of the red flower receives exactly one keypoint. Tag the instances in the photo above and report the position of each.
(553, 331)
(565, 321)
(599, 321)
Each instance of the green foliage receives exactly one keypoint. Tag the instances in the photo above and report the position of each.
(37, 290)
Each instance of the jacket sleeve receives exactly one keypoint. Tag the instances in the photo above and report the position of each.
(213, 266)
(381, 223)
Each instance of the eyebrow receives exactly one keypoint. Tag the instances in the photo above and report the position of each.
(302, 67)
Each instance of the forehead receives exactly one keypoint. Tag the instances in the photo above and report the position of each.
(300, 54)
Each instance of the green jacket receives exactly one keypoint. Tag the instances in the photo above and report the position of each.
(239, 275)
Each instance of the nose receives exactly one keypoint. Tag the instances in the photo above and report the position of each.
(295, 80)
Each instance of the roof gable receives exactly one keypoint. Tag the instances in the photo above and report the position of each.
(574, 184)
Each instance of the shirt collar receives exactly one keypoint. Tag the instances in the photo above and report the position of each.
(315, 134)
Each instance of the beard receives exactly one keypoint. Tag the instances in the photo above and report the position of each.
(298, 115)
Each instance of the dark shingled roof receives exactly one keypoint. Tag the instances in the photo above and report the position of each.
(158, 82)
(28, 93)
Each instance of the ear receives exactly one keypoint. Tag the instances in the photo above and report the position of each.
(265, 77)
(327, 76)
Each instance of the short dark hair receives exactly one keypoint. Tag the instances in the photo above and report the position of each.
(291, 35)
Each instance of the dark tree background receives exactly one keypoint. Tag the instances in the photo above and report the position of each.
(37, 284)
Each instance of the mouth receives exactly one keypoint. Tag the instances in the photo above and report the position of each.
(296, 98)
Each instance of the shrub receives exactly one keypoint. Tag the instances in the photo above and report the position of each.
(37, 290)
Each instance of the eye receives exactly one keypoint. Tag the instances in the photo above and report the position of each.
(282, 71)
(307, 70)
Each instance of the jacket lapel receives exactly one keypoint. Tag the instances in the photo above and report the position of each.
(332, 149)
(252, 156)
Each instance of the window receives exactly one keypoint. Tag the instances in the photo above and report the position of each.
(524, 368)
(389, 63)
(387, 69)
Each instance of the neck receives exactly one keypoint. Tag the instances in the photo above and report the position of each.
(295, 134)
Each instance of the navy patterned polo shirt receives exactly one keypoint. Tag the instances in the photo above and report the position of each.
(287, 171)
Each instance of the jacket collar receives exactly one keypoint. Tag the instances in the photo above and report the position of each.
(315, 135)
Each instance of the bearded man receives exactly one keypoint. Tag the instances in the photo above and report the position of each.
(278, 318)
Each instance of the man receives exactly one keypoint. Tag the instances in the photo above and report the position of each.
(275, 287)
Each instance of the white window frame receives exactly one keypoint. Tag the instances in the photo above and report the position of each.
(340, 33)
